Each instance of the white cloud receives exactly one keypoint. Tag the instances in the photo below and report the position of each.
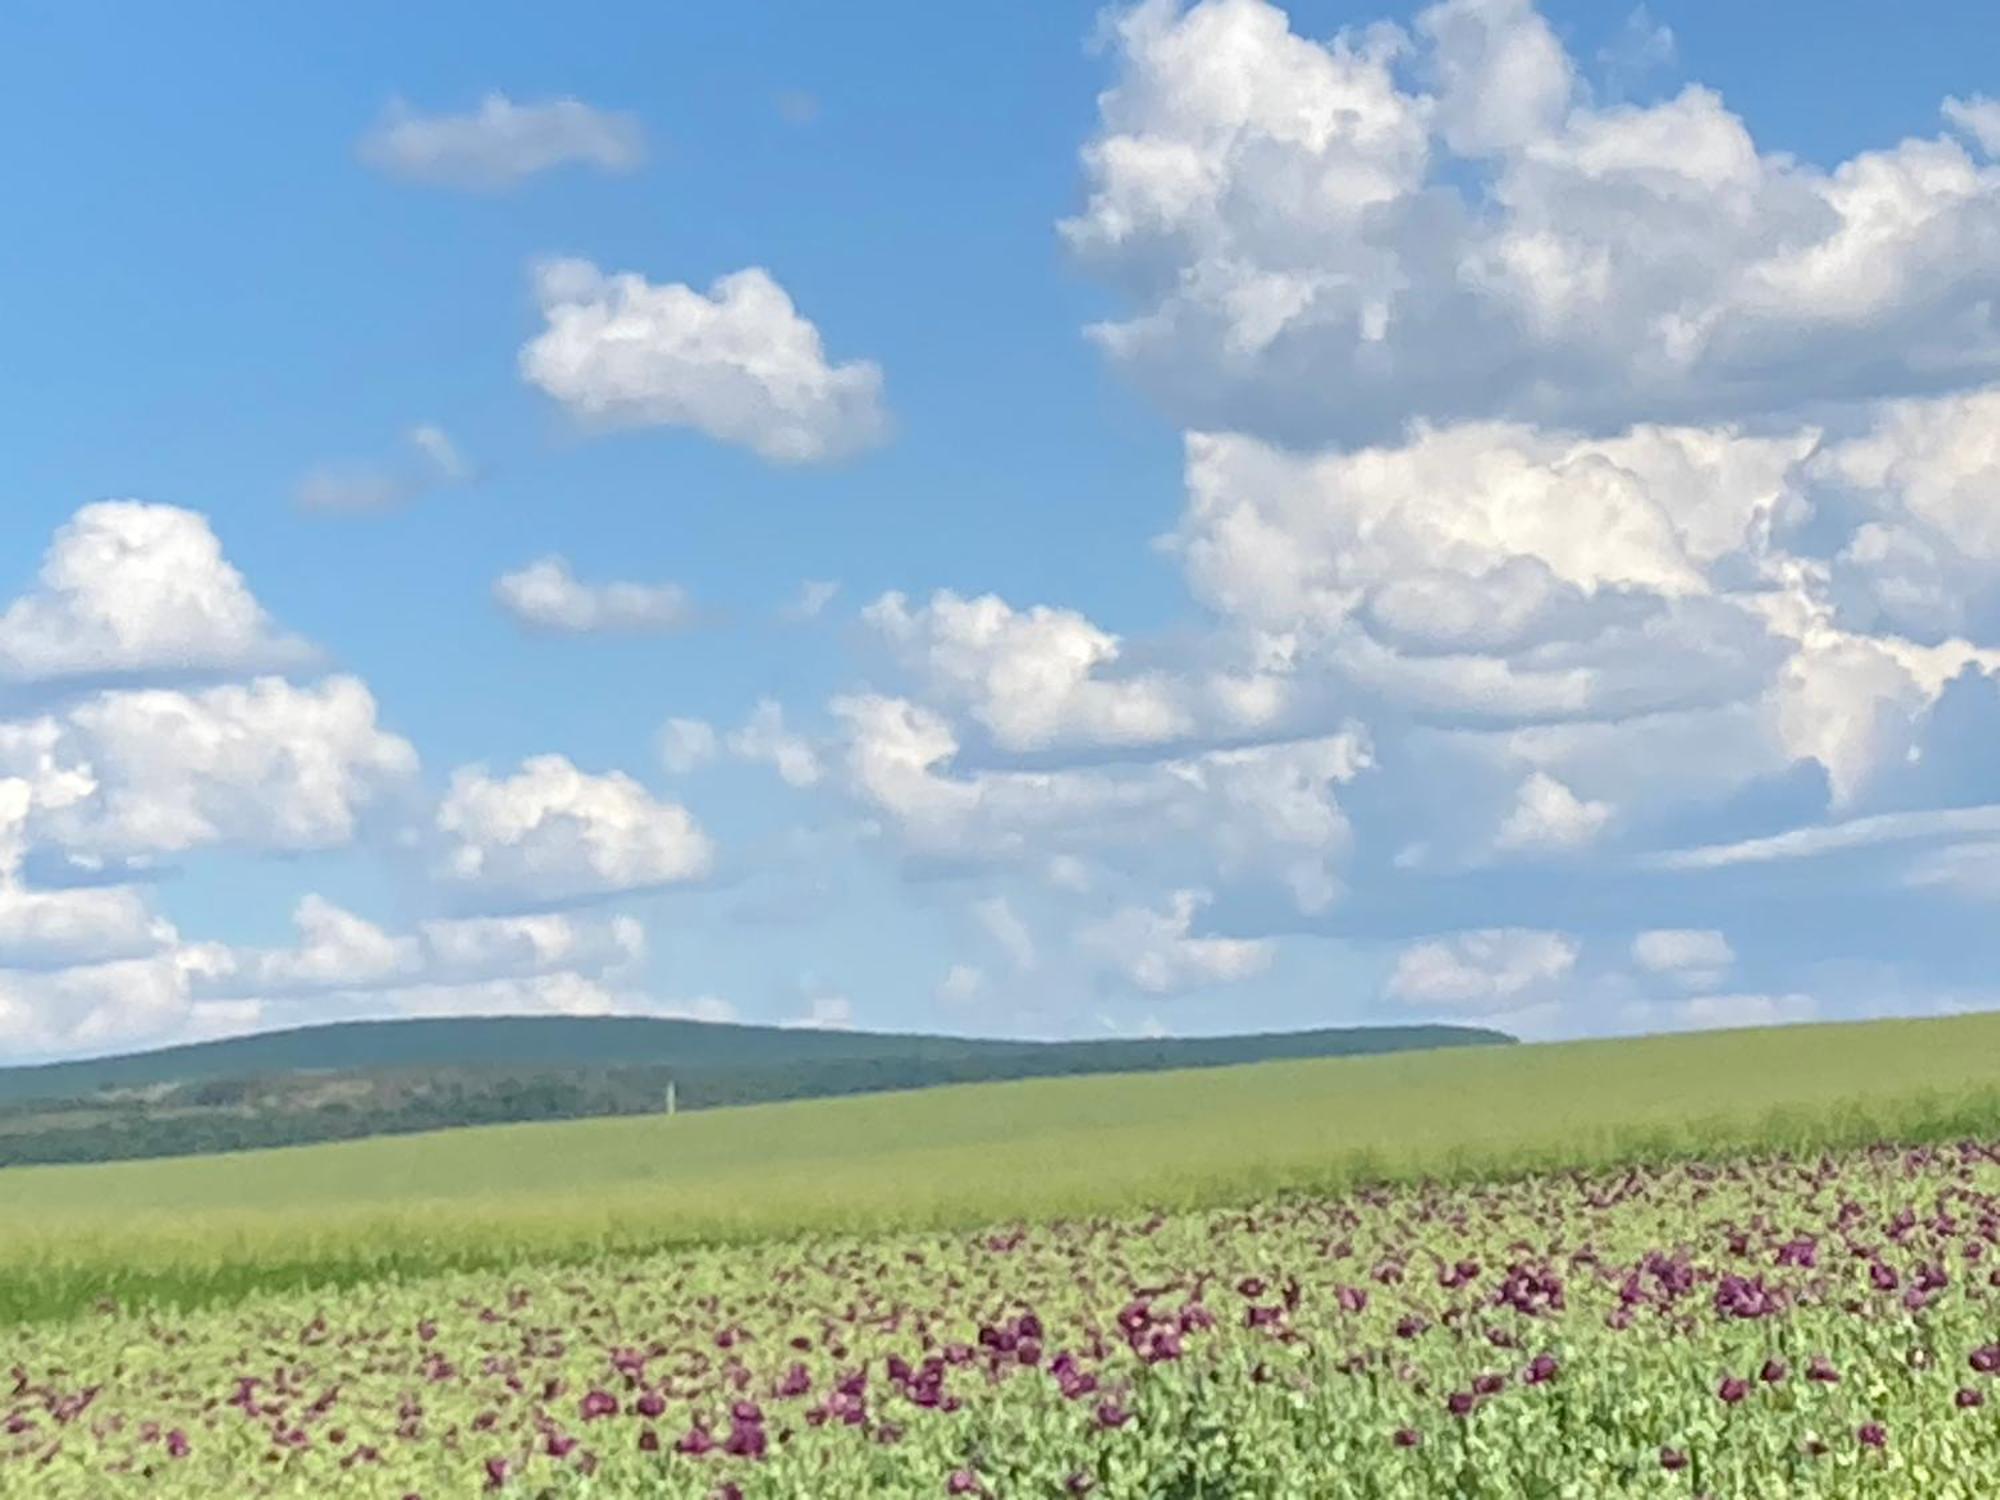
(1030, 677)
(130, 588)
(1154, 951)
(1501, 574)
(1004, 926)
(738, 363)
(359, 488)
(1978, 117)
(502, 143)
(100, 1006)
(1548, 816)
(1695, 957)
(1265, 811)
(961, 985)
(687, 744)
(1970, 870)
(1318, 238)
(261, 764)
(347, 958)
(1482, 970)
(551, 832)
(764, 738)
(65, 928)
(546, 595)
(1829, 838)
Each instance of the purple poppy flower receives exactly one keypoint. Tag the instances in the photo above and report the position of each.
(1968, 1399)
(1872, 1435)
(1541, 1369)
(963, 1482)
(1407, 1437)
(1732, 1390)
(1774, 1371)
(1110, 1414)
(1673, 1460)
(1460, 1403)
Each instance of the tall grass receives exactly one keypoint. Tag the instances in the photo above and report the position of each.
(208, 1229)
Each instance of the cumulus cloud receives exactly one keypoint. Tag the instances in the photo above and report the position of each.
(127, 589)
(1548, 816)
(764, 738)
(1032, 678)
(342, 955)
(687, 744)
(501, 144)
(551, 832)
(96, 1007)
(1266, 811)
(1518, 576)
(546, 595)
(1318, 238)
(262, 765)
(1482, 970)
(737, 363)
(961, 985)
(1695, 957)
(1978, 117)
(1155, 951)
(67, 928)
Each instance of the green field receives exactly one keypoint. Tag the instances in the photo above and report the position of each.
(202, 1229)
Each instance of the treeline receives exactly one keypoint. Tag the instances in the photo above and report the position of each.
(296, 1108)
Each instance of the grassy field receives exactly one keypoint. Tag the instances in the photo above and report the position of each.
(199, 1230)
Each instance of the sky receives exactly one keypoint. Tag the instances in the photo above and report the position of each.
(1014, 520)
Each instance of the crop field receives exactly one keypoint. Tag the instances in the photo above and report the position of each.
(1751, 1264)
(1778, 1328)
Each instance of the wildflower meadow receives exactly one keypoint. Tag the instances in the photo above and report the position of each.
(1790, 1319)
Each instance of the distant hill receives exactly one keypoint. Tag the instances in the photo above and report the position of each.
(393, 1077)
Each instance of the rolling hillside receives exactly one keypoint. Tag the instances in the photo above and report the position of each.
(396, 1077)
(626, 1041)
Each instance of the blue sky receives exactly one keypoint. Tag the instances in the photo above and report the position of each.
(1350, 514)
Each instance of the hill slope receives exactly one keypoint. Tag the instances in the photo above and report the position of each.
(396, 1077)
(543, 1042)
